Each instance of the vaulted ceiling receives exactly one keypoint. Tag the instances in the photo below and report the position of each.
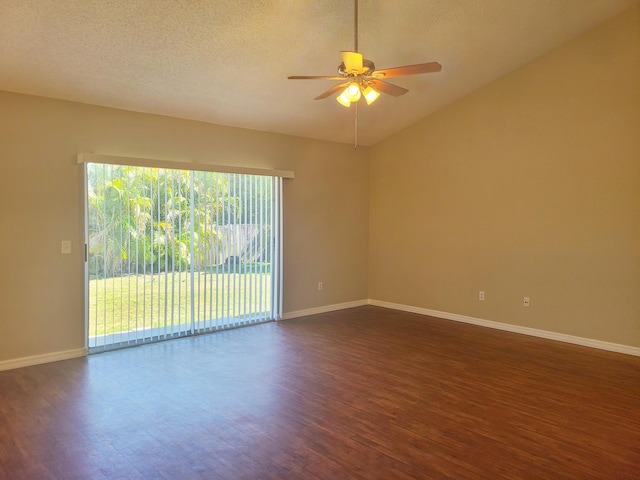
(227, 61)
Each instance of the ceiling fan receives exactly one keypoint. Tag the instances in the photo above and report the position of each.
(359, 77)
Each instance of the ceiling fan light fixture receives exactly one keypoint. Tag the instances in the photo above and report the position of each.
(370, 95)
(350, 94)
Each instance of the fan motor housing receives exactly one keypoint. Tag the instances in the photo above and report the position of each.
(368, 66)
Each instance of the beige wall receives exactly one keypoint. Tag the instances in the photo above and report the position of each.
(528, 187)
(41, 290)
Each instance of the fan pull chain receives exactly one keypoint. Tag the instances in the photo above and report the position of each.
(355, 49)
(355, 128)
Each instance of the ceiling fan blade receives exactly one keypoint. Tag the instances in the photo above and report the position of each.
(388, 88)
(314, 77)
(408, 70)
(331, 91)
(352, 62)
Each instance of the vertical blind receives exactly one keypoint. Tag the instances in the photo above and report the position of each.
(174, 252)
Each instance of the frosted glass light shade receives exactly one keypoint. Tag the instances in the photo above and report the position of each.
(343, 99)
(353, 92)
(370, 95)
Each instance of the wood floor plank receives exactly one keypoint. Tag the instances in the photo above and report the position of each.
(364, 393)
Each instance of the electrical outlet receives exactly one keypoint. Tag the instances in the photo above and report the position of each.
(320, 286)
(480, 295)
(527, 302)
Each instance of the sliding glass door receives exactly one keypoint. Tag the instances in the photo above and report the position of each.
(175, 252)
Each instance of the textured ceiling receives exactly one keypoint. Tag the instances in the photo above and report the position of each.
(227, 61)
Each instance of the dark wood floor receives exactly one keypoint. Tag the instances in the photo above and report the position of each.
(361, 393)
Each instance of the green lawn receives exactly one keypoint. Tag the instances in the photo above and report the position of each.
(135, 302)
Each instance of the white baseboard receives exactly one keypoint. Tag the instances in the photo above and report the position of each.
(560, 337)
(40, 359)
(324, 309)
(534, 332)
